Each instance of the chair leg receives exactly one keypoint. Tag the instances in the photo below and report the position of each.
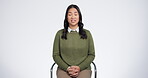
(95, 69)
(51, 70)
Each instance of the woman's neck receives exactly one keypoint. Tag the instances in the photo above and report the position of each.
(73, 27)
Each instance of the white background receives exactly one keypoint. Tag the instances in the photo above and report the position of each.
(119, 29)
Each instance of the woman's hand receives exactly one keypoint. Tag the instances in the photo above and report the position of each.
(73, 71)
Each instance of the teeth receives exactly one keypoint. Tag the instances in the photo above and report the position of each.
(73, 21)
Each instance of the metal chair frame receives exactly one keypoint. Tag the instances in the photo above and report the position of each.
(95, 70)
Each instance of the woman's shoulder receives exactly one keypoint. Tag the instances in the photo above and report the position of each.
(60, 31)
(87, 31)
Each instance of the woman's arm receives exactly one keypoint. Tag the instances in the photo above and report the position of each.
(56, 53)
(91, 52)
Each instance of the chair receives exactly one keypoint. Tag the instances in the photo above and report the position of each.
(95, 70)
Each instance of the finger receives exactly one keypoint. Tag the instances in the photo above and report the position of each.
(71, 75)
(70, 72)
(76, 71)
(74, 76)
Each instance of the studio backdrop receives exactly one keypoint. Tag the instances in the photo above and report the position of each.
(119, 29)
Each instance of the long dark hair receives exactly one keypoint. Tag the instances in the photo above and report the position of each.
(82, 33)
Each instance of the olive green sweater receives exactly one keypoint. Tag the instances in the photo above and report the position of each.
(73, 50)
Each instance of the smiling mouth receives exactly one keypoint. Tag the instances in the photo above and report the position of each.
(73, 21)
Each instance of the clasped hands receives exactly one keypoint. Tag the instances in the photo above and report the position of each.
(73, 71)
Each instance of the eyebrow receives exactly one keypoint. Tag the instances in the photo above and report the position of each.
(71, 12)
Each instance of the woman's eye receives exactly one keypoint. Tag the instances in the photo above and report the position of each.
(69, 14)
(75, 14)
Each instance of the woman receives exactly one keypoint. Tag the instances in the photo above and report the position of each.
(73, 49)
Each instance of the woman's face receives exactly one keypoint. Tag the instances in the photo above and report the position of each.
(73, 17)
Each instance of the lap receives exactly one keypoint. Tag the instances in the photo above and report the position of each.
(83, 74)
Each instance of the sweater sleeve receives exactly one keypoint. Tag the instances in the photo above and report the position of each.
(56, 53)
(91, 53)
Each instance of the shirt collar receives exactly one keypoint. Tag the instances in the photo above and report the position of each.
(69, 29)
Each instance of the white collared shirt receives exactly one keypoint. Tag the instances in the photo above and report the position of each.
(69, 29)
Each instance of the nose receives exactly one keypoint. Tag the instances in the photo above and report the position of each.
(72, 16)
